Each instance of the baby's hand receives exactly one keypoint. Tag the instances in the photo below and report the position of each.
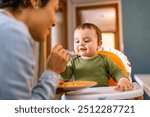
(124, 85)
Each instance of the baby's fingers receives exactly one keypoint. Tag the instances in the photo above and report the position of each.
(130, 87)
(119, 88)
(124, 88)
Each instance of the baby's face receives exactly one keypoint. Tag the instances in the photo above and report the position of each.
(85, 42)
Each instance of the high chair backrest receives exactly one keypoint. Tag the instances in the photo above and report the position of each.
(120, 59)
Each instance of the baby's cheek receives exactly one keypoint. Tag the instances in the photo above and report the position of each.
(76, 49)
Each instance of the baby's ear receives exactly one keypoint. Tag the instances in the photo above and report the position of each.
(99, 45)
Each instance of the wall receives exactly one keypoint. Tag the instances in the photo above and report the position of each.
(136, 34)
(73, 4)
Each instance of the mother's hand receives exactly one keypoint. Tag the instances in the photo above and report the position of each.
(58, 59)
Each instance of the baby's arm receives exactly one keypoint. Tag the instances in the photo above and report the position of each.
(124, 84)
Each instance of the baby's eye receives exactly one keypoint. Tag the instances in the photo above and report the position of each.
(86, 41)
(76, 41)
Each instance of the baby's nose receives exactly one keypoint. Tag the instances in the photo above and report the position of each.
(82, 43)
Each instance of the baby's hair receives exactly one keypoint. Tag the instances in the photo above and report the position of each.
(91, 26)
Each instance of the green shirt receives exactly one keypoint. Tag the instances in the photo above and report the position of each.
(99, 69)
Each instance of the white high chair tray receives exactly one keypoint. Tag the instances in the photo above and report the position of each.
(103, 93)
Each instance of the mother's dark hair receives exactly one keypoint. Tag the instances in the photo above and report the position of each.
(14, 4)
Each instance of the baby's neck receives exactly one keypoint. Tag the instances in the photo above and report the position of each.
(87, 57)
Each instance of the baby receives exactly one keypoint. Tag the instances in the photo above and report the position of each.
(90, 66)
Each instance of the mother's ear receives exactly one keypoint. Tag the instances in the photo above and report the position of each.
(35, 3)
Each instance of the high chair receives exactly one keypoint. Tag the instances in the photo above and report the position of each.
(108, 92)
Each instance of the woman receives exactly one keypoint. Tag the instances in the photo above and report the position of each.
(21, 22)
